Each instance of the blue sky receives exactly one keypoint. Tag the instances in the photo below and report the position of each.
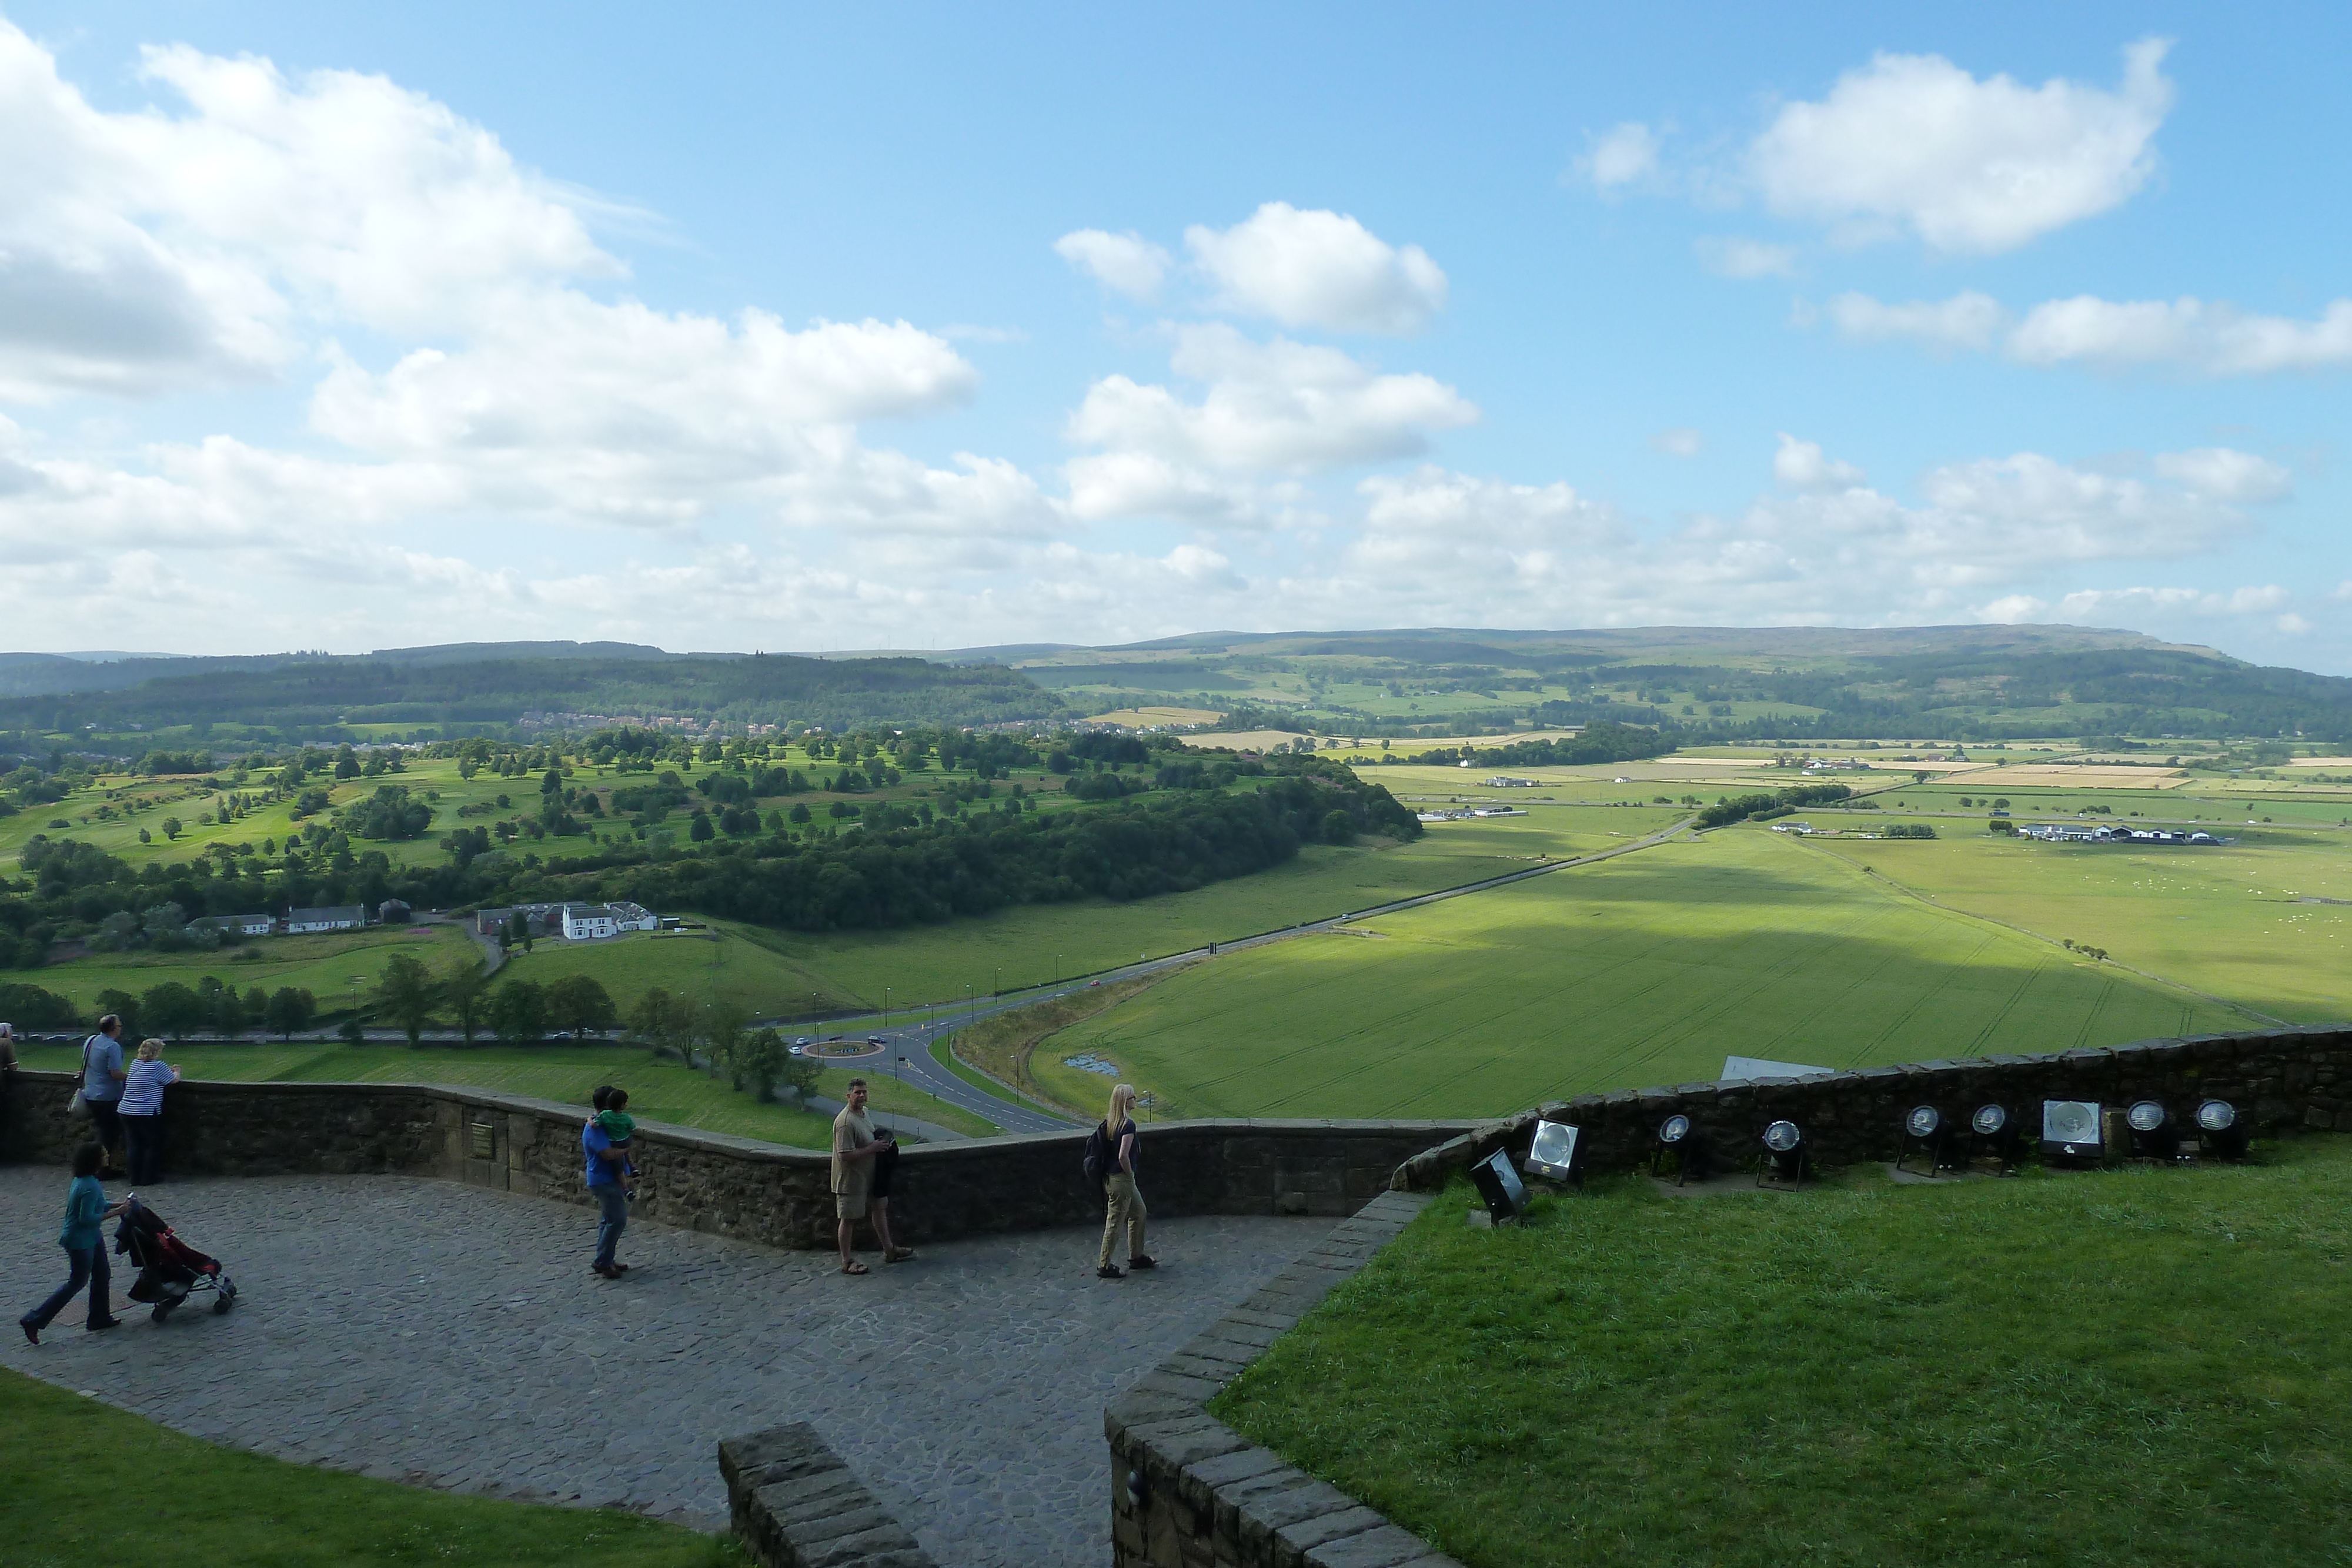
(924, 328)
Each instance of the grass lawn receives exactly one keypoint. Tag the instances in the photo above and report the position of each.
(724, 962)
(2226, 919)
(660, 1089)
(2133, 1367)
(1646, 969)
(1038, 943)
(88, 1484)
(339, 968)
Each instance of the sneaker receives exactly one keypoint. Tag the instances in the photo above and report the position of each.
(1110, 1271)
(1143, 1263)
(604, 1270)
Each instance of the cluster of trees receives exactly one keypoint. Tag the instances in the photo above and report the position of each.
(172, 1010)
(516, 1010)
(1599, 742)
(719, 1035)
(388, 815)
(1910, 831)
(1763, 808)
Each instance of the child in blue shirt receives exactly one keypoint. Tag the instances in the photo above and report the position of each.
(85, 1210)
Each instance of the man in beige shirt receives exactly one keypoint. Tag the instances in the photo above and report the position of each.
(855, 1149)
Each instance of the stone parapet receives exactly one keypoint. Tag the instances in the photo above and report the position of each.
(795, 1504)
(2280, 1080)
(1188, 1491)
(741, 1187)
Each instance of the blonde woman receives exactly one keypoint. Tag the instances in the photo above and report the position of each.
(1124, 1201)
(142, 1111)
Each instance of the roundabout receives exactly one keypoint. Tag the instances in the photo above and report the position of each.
(840, 1049)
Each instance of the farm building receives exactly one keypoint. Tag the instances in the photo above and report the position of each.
(338, 917)
(239, 924)
(589, 921)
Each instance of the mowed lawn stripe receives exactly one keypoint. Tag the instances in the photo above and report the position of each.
(1741, 944)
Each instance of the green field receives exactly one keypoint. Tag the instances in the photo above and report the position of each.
(339, 968)
(1645, 969)
(2131, 1367)
(1037, 943)
(200, 1502)
(2225, 919)
(660, 1089)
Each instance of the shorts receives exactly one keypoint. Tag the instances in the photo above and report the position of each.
(849, 1206)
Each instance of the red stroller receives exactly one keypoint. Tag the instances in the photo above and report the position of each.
(170, 1270)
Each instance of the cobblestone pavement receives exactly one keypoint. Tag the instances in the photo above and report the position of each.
(453, 1336)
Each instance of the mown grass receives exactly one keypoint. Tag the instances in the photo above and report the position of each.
(339, 968)
(1649, 969)
(2131, 1367)
(91, 1484)
(2228, 919)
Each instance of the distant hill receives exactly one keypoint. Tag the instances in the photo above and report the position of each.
(1964, 681)
(444, 690)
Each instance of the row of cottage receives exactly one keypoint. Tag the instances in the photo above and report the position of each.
(300, 922)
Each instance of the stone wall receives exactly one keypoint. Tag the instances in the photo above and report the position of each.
(2279, 1080)
(796, 1505)
(1188, 1491)
(734, 1186)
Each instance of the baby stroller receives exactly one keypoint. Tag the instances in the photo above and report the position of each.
(170, 1270)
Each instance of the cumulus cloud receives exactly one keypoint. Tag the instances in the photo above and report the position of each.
(1273, 408)
(1967, 320)
(1319, 269)
(2222, 473)
(1681, 441)
(2211, 339)
(2094, 604)
(1914, 144)
(1620, 156)
(1801, 466)
(1126, 264)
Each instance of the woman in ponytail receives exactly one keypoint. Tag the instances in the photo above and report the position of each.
(1124, 1198)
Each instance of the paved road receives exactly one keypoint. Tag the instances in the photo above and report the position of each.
(453, 1336)
(907, 1049)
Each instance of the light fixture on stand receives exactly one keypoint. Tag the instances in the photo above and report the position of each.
(2153, 1136)
(1925, 1133)
(1784, 1158)
(2221, 1130)
(1992, 1131)
(1680, 1137)
(1499, 1184)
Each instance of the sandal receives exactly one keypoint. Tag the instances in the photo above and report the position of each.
(898, 1254)
(855, 1269)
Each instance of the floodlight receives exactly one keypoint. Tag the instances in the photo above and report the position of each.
(1499, 1184)
(1553, 1153)
(2151, 1134)
(2219, 1129)
(1923, 1132)
(1995, 1133)
(1680, 1136)
(2069, 1129)
(1784, 1155)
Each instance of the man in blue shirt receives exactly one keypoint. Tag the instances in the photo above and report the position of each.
(607, 1166)
(102, 1087)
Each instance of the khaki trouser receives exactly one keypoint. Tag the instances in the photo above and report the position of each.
(1124, 1207)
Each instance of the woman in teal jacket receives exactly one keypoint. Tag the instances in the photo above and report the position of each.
(85, 1210)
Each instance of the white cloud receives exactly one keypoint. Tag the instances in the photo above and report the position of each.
(1279, 408)
(1913, 142)
(2214, 339)
(1966, 321)
(1800, 465)
(1319, 269)
(1731, 256)
(1128, 264)
(1620, 156)
(1678, 442)
(2220, 474)
(2095, 603)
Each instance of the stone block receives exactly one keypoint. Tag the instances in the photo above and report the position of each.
(1383, 1546)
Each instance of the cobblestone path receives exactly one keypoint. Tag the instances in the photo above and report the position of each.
(452, 1335)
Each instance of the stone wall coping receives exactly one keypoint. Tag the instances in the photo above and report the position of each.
(1186, 1489)
(795, 1504)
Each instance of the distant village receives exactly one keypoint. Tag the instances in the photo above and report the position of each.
(572, 921)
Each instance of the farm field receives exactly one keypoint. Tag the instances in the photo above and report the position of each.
(1643, 970)
(2227, 919)
(660, 1089)
(2198, 801)
(337, 967)
(2083, 1370)
(726, 962)
(1039, 943)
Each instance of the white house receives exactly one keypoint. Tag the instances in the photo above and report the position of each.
(590, 922)
(340, 918)
(241, 925)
